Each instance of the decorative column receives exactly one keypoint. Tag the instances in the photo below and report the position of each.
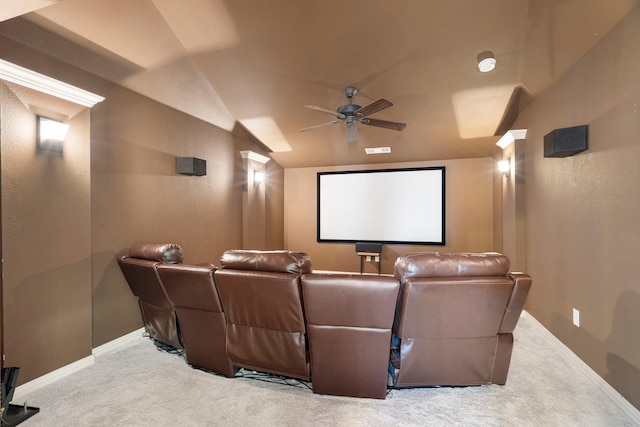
(513, 226)
(253, 200)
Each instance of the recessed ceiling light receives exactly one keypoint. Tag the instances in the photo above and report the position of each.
(377, 150)
(486, 61)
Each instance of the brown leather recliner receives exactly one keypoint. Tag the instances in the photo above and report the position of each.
(454, 319)
(262, 299)
(349, 320)
(157, 310)
(202, 321)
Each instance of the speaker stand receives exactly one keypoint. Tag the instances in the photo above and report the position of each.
(369, 255)
(15, 414)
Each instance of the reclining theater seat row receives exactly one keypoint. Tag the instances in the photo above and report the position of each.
(444, 319)
(202, 322)
(179, 303)
(455, 317)
(157, 310)
(262, 299)
(349, 320)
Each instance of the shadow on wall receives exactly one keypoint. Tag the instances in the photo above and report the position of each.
(624, 343)
(617, 358)
(115, 308)
(118, 157)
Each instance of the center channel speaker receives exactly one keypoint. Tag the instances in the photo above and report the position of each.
(191, 166)
(565, 142)
(374, 248)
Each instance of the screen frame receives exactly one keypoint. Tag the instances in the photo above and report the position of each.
(440, 242)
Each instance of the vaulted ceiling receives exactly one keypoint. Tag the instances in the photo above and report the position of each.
(254, 64)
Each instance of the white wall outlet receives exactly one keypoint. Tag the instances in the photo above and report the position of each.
(576, 317)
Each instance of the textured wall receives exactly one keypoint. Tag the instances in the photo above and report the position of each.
(469, 214)
(125, 191)
(582, 232)
(46, 235)
(137, 196)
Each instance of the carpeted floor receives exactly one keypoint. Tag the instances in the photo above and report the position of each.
(141, 386)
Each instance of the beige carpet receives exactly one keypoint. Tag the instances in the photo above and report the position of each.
(140, 386)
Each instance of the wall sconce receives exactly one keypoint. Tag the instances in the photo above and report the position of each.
(504, 166)
(254, 162)
(50, 134)
(258, 177)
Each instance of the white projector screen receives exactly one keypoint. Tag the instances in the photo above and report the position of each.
(402, 206)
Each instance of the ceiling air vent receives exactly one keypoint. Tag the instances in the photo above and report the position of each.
(378, 150)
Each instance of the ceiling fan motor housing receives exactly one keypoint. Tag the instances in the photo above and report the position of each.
(349, 109)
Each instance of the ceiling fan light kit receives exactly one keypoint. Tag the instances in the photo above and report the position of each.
(352, 113)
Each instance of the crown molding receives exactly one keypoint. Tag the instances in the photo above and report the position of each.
(36, 81)
(246, 154)
(511, 136)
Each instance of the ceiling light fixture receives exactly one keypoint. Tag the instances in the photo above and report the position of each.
(486, 61)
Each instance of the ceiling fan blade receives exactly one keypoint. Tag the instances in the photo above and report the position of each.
(334, 122)
(374, 107)
(352, 131)
(324, 110)
(383, 124)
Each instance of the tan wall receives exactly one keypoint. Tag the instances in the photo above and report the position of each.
(46, 235)
(582, 212)
(469, 214)
(137, 196)
(65, 293)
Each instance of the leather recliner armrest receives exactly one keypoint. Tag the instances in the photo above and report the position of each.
(521, 286)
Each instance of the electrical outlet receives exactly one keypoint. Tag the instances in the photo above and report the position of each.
(576, 317)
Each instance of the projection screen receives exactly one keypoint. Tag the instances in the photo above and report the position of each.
(401, 206)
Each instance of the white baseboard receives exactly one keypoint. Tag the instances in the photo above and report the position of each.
(76, 366)
(51, 377)
(118, 343)
(592, 375)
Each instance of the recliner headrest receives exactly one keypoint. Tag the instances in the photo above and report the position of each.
(436, 264)
(273, 261)
(168, 253)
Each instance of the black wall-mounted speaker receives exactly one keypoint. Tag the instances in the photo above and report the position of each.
(374, 248)
(191, 166)
(565, 142)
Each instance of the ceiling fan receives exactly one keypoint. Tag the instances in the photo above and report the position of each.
(352, 113)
